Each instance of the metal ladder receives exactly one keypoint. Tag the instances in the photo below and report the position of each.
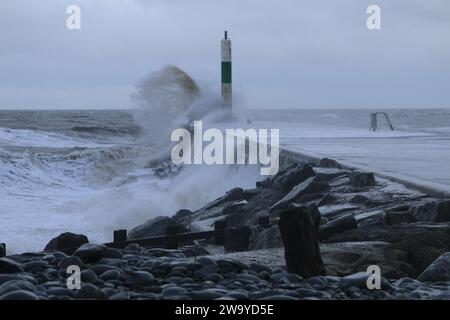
(374, 120)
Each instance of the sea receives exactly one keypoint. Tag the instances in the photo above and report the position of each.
(94, 171)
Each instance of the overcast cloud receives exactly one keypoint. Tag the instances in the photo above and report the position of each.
(286, 53)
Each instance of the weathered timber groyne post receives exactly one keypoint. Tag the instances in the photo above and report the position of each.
(301, 246)
(120, 235)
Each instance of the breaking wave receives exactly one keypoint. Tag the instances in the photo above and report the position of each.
(93, 172)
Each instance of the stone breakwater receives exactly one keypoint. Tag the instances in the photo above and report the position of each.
(360, 220)
(139, 273)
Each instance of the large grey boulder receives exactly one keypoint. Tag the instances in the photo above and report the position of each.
(328, 163)
(66, 240)
(338, 225)
(439, 270)
(155, 227)
(309, 186)
(436, 211)
(294, 176)
(89, 253)
(8, 265)
(361, 179)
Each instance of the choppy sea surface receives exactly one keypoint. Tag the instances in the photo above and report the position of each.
(91, 172)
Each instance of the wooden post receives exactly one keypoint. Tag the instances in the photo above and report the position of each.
(2, 249)
(120, 235)
(301, 247)
(172, 231)
(264, 221)
(219, 229)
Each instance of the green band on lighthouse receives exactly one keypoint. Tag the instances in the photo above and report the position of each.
(226, 72)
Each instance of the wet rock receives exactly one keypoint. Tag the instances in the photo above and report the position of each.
(155, 227)
(359, 199)
(88, 276)
(8, 265)
(328, 163)
(443, 211)
(205, 294)
(424, 256)
(330, 174)
(89, 253)
(111, 253)
(140, 278)
(436, 211)
(111, 275)
(19, 295)
(397, 215)
(233, 207)
(89, 291)
(326, 200)
(231, 265)
(238, 295)
(279, 297)
(250, 193)
(285, 277)
(180, 214)
(124, 295)
(244, 277)
(15, 285)
(307, 187)
(337, 209)
(361, 179)
(206, 260)
(10, 276)
(359, 280)
(173, 291)
(214, 277)
(260, 267)
(206, 270)
(439, 270)
(234, 194)
(237, 239)
(66, 240)
(293, 177)
(338, 225)
(70, 261)
(100, 268)
(60, 292)
(35, 266)
(371, 219)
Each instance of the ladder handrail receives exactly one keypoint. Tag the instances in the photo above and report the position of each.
(373, 118)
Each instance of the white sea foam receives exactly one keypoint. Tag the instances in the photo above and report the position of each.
(38, 138)
(53, 182)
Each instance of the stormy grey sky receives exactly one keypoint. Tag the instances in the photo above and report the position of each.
(286, 53)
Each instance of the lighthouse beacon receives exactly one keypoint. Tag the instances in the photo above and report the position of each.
(227, 93)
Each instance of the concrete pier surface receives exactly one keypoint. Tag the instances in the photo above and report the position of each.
(418, 161)
(417, 158)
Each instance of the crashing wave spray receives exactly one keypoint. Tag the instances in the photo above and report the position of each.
(163, 99)
(168, 99)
